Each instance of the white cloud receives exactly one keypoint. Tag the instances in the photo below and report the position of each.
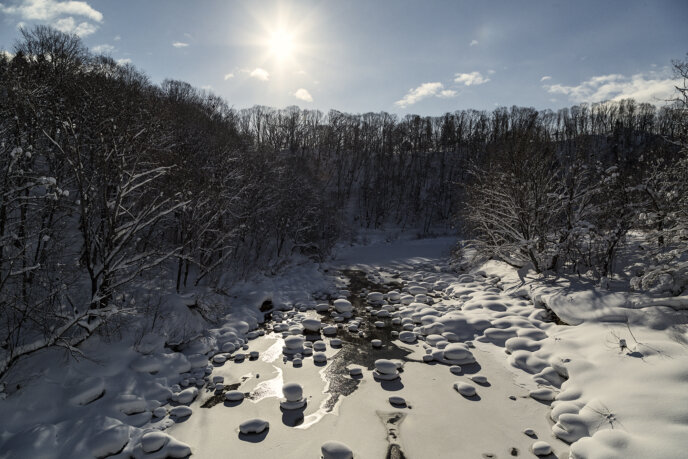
(7, 54)
(303, 94)
(425, 90)
(103, 49)
(180, 44)
(545, 78)
(69, 25)
(117, 38)
(491, 72)
(229, 75)
(469, 79)
(48, 10)
(124, 61)
(473, 42)
(649, 87)
(207, 87)
(259, 74)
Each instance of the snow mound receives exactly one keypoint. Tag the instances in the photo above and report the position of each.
(253, 426)
(465, 389)
(336, 450)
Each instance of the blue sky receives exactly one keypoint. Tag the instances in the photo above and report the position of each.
(425, 57)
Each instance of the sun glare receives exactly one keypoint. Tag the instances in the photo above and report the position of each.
(281, 44)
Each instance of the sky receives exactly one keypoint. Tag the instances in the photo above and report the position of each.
(402, 56)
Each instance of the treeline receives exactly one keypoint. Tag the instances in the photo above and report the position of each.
(105, 177)
(560, 192)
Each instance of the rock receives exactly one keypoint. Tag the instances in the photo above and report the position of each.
(385, 366)
(455, 369)
(375, 297)
(379, 324)
(187, 395)
(239, 357)
(530, 432)
(319, 357)
(541, 448)
(312, 325)
(458, 353)
(397, 401)
(376, 343)
(153, 441)
(543, 394)
(219, 358)
(293, 342)
(293, 392)
(228, 347)
(428, 358)
(297, 362)
(160, 412)
(319, 346)
(218, 379)
(330, 330)
(407, 336)
(180, 411)
(322, 307)
(464, 389)
(355, 372)
(234, 396)
(336, 450)
(335, 342)
(253, 426)
(479, 379)
(342, 305)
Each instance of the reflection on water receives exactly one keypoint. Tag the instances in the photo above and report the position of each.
(270, 388)
(273, 352)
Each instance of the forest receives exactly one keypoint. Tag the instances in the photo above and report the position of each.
(108, 180)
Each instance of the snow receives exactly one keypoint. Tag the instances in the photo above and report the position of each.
(541, 448)
(615, 380)
(253, 426)
(465, 389)
(336, 450)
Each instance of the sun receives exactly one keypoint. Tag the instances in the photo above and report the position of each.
(281, 44)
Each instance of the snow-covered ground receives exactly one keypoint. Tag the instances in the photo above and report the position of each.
(477, 368)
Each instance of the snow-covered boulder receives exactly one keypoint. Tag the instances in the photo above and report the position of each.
(342, 305)
(253, 426)
(465, 389)
(336, 450)
(312, 325)
(234, 396)
(458, 354)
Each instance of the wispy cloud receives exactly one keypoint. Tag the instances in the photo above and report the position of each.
(473, 43)
(425, 90)
(124, 61)
(180, 44)
(103, 49)
(303, 94)
(229, 75)
(117, 38)
(652, 87)
(470, 79)
(545, 78)
(259, 74)
(69, 25)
